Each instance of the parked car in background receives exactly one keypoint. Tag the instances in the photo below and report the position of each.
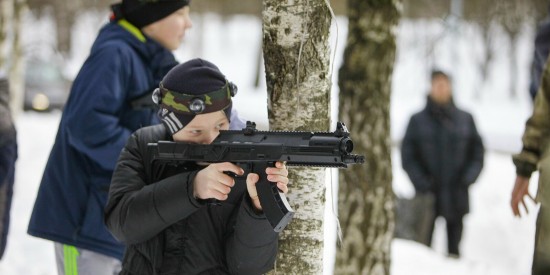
(46, 88)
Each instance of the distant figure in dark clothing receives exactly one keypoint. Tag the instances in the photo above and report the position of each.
(542, 48)
(442, 153)
(8, 156)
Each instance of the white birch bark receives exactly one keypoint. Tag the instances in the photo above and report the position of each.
(297, 57)
(6, 17)
(11, 53)
(17, 70)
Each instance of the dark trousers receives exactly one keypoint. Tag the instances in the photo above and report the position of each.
(454, 235)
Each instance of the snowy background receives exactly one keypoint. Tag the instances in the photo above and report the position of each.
(494, 242)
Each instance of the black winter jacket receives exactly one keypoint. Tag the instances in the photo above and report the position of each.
(442, 153)
(168, 231)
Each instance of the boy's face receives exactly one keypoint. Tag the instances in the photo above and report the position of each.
(203, 129)
(170, 30)
(441, 90)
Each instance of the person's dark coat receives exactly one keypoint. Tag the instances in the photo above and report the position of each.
(8, 157)
(442, 153)
(168, 231)
(96, 122)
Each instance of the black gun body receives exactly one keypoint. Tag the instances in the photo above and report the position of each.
(254, 151)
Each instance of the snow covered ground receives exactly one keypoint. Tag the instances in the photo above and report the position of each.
(494, 241)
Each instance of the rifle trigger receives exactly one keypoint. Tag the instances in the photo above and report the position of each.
(231, 174)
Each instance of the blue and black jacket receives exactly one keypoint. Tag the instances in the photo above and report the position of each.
(97, 120)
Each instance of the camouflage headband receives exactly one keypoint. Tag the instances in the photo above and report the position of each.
(177, 109)
(189, 104)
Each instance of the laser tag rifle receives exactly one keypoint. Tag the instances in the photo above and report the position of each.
(255, 150)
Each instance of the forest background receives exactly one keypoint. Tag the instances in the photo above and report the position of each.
(485, 45)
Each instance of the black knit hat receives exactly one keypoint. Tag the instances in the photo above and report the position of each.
(144, 12)
(191, 88)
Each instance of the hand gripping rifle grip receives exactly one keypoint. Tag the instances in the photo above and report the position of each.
(274, 203)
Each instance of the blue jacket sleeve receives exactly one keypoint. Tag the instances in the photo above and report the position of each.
(97, 98)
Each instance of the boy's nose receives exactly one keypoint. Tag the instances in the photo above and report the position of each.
(211, 137)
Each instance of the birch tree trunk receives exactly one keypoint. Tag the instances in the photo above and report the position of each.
(11, 52)
(17, 70)
(6, 17)
(65, 15)
(366, 203)
(297, 56)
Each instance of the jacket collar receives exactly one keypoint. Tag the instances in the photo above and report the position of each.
(132, 29)
(436, 109)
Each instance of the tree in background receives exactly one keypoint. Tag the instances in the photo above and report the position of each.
(11, 53)
(512, 15)
(365, 198)
(65, 15)
(297, 56)
(482, 13)
(6, 16)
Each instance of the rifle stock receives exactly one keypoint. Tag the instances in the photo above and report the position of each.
(255, 150)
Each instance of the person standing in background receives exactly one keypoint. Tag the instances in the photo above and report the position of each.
(129, 57)
(442, 153)
(8, 156)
